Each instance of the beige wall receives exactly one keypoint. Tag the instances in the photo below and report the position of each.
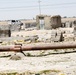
(47, 22)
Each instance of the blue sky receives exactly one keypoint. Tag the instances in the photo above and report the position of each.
(28, 9)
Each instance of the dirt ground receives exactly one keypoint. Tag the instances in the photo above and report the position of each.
(57, 64)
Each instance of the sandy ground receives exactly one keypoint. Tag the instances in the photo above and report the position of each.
(64, 63)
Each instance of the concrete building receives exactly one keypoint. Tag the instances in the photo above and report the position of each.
(43, 21)
(68, 22)
(15, 25)
(28, 24)
(6, 27)
(48, 22)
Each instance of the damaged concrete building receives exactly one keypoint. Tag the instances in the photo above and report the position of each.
(68, 22)
(48, 22)
(28, 24)
(15, 25)
(6, 27)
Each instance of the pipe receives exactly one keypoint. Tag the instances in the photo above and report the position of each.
(48, 47)
(10, 48)
(30, 47)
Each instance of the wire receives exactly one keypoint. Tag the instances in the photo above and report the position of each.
(38, 5)
(17, 2)
(60, 4)
(24, 9)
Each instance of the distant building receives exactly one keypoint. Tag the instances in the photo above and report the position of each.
(43, 21)
(7, 26)
(68, 22)
(18, 22)
(48, 22)
(15, 25)
(28, 24)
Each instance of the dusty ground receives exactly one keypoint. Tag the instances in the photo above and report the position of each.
(57, 64)
(52, 64)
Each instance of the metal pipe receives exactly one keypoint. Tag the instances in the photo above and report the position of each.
(10, 48)
(48, 47)
(36, 47)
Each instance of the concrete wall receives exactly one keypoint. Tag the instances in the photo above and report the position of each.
(47, 23)
(39, 17)
(5, 33)
(55, 21)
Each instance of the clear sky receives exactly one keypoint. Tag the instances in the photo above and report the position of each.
(28, 9)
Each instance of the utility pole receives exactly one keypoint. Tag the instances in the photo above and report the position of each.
(39, 7)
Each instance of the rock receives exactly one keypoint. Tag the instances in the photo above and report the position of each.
(34, 38)
(15, 57)
(31, 38)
